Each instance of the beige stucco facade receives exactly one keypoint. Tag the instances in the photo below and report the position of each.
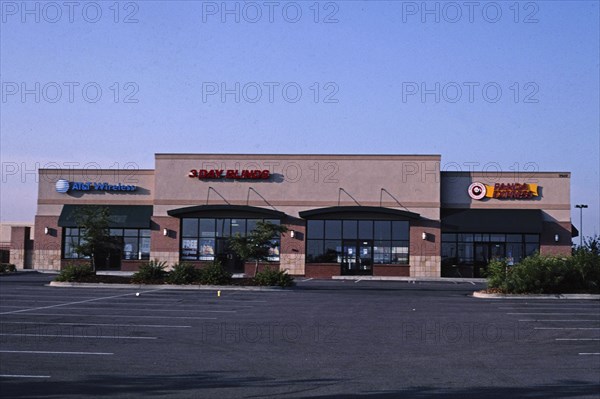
(408, 187)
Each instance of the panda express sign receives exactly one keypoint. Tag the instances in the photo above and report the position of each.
(518, 191)
(233, 174)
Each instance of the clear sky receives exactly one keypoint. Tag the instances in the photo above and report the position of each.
(499, 85)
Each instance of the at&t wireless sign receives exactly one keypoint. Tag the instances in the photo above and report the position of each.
(64, 186)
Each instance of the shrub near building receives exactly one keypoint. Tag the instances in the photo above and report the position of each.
(7, 268)
(76, 273)
(579, 273)
(154, 272)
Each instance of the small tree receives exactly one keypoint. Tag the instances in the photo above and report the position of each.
(95, 240)
(257, 244)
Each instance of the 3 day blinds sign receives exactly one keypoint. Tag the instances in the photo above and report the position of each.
(524, 191)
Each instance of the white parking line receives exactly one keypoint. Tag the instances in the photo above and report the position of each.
(95, 324)
(128, 316)
(75, 336)
(113, 305)
(590, 353)
(23, 376)
(577, 339)
(567, 328)
(60, 353)
(154, 310)
(546, 307)
(36, 295)
(565, 320)
(73, 303)
(554, 314)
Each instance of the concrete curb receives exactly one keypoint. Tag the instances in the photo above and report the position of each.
(129, 274)
(593, 297)
(411, 279)
(62, 284)
(28, 271)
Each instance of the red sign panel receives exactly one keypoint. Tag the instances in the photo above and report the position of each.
(234, 174)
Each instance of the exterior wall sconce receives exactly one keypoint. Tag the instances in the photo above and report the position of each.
(292, 233)
(556, 237)
(424, 236)
(165, 232)
(46, 230)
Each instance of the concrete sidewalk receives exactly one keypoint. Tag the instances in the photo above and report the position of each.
(478, 294)
(411, 279)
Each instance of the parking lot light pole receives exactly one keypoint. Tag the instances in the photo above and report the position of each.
(581, 206)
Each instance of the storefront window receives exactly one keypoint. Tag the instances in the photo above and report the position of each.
(223, 227)
(207, 227)
(333, 249)
(382, 252)
(333, 229)
(135, 243)
(365, 230)
(497, 237)
(384, 241)
(210, 237)
(399, 252)
(130, 248)
(238, 227)
(70, 243)
(189, 228)
(316, 229)
(382, 230)
(399, 230)
(350, 227)
(207, 249)
(314, 251)
(467, 255)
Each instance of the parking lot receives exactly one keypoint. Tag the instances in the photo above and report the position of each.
(322, 339)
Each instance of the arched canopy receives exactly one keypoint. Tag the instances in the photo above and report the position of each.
(359, 212)
(239, 211)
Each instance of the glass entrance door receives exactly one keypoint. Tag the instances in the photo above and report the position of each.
(497, 250)
(357, 258)
(486, 252)
(110, 258)
(349, 258)
(365, 258)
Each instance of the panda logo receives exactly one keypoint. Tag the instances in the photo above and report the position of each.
(477, 190)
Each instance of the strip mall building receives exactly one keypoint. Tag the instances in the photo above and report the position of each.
(380, 215)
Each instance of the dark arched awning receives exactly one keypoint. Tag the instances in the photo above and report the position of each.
(511, 221)
(358, 212)
(120, 216)
(239, 211)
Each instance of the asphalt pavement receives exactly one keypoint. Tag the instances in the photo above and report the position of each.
(322, 339)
